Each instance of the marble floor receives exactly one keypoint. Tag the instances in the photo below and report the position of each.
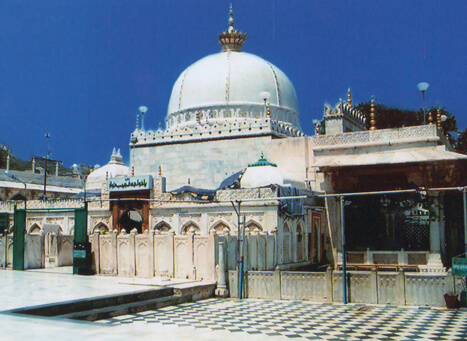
(212, 319)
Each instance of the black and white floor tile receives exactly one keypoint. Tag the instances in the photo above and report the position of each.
(310, 321)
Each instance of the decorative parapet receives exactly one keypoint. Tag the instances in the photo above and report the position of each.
(347, 112)
(382, 136)
(248, 193)
(8, 206)
(220, 123)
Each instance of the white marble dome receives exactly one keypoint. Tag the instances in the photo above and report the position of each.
(115, 168)
(231, 78)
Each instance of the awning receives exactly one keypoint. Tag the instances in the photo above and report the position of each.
(387, 158)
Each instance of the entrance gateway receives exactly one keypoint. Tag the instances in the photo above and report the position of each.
(75, 250)
(129, 202)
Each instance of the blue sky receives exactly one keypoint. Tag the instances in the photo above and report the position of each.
(80, 69)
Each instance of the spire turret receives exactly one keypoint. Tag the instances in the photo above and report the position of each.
(232, 40)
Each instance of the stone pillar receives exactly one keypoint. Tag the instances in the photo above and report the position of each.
(56, 168)
(328, 282)
(434, 258)
(114, 252)
(132, 256)
(435, 244)
(221, 290)
(95, 251)
(374, 287)
(400, 288)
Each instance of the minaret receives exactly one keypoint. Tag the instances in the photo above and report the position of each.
(8, 162)
(232, 40)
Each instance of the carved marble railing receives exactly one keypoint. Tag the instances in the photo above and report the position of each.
(369, 287)
(225, 129)
(221, 114)
(248, 193)
(8, 206)
(382, 136)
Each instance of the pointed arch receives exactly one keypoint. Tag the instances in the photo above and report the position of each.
(17, 196)
(189, 226)
(163, 227)
(219, 227)
(253, 226)
(35, 229)
(101, 227)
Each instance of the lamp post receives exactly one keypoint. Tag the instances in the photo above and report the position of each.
(142, 109)
(265, 96)
(423, 87)
(47, 136)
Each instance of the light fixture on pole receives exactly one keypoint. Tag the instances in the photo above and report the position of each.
(423, 87)
(142, 109)
(265, 96)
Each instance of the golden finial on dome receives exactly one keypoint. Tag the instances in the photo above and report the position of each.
(232, 40)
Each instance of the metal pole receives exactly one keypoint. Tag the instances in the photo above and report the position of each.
(344, 261)
(423, 96)
(242, 258)
(465, 219)
(239, 260)
(47, 136)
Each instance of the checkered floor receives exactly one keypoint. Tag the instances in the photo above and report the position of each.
(310, 320)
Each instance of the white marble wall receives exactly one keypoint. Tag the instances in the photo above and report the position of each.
(397, 288)
(222, 158)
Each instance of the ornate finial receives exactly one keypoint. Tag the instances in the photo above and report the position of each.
(132, 170)
(189, 181)
(372, 115)
(232, 40)
(430, 117)
(268, 110)
(231, 19)
(349, 98)
(137, 121)
(438, 117)
(160, 170)
(262, 155)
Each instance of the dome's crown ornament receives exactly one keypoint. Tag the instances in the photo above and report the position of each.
(232, 40)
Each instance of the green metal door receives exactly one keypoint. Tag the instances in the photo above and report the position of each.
(18, 239)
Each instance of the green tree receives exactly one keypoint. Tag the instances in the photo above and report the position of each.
(461, 143)
(387, 117)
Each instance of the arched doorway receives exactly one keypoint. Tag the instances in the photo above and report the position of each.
(50, 249)
(131, 219)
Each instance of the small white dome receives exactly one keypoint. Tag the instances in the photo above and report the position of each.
(264, 173)
(261, 176)
(113, 169)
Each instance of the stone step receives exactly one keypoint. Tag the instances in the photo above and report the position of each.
(75, 306)
(105, 307)
(126, 309)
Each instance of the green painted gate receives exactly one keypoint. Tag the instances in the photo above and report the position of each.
(81, 247)
(18, 239)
